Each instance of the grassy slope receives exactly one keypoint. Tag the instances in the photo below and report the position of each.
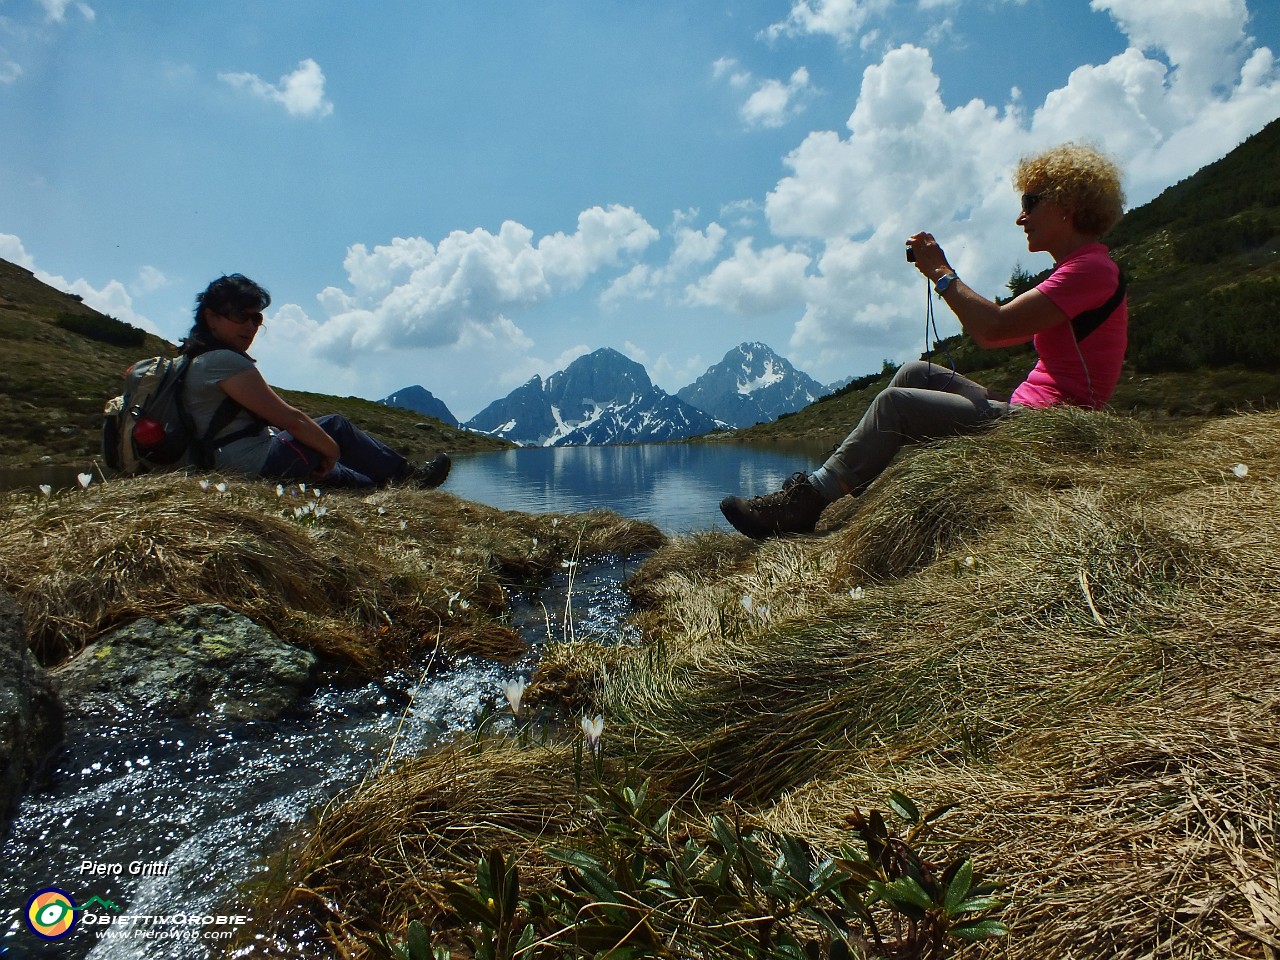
(53, 383)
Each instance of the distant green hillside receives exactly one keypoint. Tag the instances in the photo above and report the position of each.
(1203, 261)
(60, 360)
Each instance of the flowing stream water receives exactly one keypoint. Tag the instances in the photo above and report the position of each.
(157, 818)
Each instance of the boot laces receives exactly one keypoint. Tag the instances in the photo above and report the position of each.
(785, 494)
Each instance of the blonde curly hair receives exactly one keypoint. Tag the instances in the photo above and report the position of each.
(1080, 179)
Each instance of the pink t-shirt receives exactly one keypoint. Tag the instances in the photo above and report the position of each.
(1083, 374)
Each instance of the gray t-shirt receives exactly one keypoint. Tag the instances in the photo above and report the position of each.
(203, 397)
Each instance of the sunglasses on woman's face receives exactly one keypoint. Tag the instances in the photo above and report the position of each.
(245, 316)
(1030, 201)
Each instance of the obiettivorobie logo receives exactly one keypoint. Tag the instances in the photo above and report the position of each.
(52, 913)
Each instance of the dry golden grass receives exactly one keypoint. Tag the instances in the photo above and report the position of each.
(370, 581)
(386, 848)
(1070, 626)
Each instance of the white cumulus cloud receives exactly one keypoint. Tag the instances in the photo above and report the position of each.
(753, 282)
(691, 249)
(774, 102)
(301, 92)
(412, 293)
(842, 20)
(55, 11)
(770, 103)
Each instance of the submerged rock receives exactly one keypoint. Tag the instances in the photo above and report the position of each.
(31, 725)
(205, 660)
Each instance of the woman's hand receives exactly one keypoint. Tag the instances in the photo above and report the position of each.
(929, 258)
(324, 467)
(990, 324)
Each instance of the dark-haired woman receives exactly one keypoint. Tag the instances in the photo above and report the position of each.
(257, 432)
(1077, 319)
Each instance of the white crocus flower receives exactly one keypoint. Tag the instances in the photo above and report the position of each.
(221, 488)
(1240, 470)
(514, 690)
(279, 489)
(857, 593)
(204, 485)
(760, 612)
(84, 479)
(46, 489)
(592, 728)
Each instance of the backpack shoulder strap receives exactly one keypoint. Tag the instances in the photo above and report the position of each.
(226, 411)
(1090, 320)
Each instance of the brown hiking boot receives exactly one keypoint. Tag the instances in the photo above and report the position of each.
(794, 509)
(432, 473)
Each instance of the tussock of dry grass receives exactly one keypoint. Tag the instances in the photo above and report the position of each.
(390, 843)
(1069, 625)
(351, 585)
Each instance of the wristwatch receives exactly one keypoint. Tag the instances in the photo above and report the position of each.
(944, 281)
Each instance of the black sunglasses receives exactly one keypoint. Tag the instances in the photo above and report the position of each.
(1030, 201)
(245, 316)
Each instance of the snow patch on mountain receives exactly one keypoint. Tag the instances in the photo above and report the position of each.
(600, 398)
(751, 385)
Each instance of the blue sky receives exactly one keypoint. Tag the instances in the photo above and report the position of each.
(463, 195)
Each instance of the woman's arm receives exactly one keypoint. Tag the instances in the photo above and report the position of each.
(994, 324)
(990, 324)
(252, 392)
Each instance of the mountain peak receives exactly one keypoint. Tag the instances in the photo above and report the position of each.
(601, 397)
(751, 385)
(420, 400)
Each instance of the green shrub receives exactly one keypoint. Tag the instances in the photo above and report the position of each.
(1236, 325)
(652, 886)
(97, 326)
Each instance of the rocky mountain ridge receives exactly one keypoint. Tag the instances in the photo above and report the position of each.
(751, 385)
(601, 398)
(604, 398)
(421, 400)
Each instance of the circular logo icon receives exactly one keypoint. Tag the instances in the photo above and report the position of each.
(51, 913)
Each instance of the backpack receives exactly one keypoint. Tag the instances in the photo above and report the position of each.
(148, 427)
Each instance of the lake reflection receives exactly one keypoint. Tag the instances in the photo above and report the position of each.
(677, 487)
